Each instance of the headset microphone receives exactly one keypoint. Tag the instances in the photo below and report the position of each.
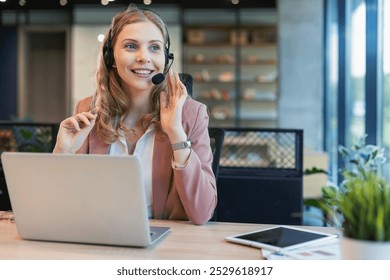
(160, 77)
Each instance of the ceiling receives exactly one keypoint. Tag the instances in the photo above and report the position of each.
(55, 4)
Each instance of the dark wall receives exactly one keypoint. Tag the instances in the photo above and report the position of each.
(8, 72)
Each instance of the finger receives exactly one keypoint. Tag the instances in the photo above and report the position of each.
(95, 110)
(89, 115)
(177, 78)
(183, 89)
(171, 83)
(180, 86)
(82, 118)
(174, 76)
(87, 129)
(175, 93)
(163, 100)
(85, 118)
(73, 121)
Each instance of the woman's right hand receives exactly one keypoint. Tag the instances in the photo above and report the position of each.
(73, 132)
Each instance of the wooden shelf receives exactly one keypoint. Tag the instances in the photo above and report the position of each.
(260, 45)
(257, 82)
(209, 64)
(254, 52)
(233, 82)
(243, 101)
(225, 120)
(260, 63)
(214, 45)
(259, 119)
(260, 100)
(228, 45)
(206, 100)
(214, 82)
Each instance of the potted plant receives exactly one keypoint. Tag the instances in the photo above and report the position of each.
(361, 204)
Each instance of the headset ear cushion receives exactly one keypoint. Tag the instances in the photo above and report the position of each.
(166, 56)
(108, 57)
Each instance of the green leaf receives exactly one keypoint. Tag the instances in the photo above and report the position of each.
(311, 202)
(314, 170)
(26, 134)
(343, 151)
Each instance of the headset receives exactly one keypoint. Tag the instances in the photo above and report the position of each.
(108, 53)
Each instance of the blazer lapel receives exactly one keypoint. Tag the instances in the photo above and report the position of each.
(161, 173)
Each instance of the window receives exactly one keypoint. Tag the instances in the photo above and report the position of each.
(356, 69)
(331, 84)
(386, 85)
(358, 88)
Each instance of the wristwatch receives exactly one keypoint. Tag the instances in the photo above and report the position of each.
(182, 145)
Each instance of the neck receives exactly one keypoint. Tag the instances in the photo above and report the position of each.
(139, 107)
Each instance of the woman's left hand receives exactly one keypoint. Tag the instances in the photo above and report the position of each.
(171, 107)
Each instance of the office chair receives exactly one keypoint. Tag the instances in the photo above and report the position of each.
(187, 80)
(260, 178)
(5, 203)
(217, 136)
(216, 141)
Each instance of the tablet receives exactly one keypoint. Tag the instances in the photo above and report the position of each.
(280, 238)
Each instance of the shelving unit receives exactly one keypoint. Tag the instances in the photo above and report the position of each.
(235, 71)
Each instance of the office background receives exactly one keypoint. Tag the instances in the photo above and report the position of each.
(332, 61)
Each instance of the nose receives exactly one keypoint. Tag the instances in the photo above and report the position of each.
(143, 56)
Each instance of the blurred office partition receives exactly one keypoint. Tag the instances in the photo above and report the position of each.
(43, 74)
(8, 72)
(260, 176)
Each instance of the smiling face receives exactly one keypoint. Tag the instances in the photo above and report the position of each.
(139, 55)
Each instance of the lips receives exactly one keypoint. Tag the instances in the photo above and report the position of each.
(142, 72)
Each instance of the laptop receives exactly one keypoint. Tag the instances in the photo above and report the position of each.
(96, 199)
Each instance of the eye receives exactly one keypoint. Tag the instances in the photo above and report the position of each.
(155, 47)
(130, 46)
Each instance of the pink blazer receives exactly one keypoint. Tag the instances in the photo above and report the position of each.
(178, 194)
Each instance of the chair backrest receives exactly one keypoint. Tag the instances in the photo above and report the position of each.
(216, 141)
(260, 176)
(187, 80)
(217, 136)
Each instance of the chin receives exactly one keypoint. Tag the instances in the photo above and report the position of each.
(141, 86)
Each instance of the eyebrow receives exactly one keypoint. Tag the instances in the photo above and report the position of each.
(151, 41)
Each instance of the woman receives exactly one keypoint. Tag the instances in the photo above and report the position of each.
(158, 123)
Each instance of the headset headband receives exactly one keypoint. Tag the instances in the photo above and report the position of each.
(108, 53)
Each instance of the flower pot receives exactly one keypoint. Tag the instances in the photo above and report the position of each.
(355, 249)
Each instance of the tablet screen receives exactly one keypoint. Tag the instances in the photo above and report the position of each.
(281, 237)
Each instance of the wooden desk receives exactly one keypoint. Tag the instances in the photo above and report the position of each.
(185, 241)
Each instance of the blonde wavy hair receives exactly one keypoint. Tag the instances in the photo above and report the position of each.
(113, 102)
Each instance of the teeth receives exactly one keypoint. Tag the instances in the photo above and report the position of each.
(142, 71)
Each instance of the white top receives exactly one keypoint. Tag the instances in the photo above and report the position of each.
(144, 151)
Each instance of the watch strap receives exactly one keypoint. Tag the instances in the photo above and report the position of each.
(182, 145)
